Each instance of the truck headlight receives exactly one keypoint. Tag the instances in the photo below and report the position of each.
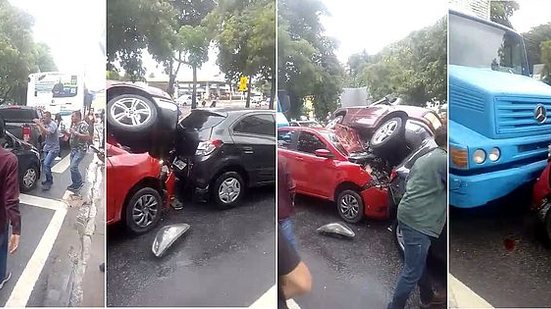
(494, 154)
(459, 157)
(479, 156)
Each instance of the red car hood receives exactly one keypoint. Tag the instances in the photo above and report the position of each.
(369, 117)
(349, 138)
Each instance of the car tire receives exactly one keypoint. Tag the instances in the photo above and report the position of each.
(123, 103)
(388, 136)
(29, 178)
(350, 206)
(398, 239)
(133, 209)
(223, 187)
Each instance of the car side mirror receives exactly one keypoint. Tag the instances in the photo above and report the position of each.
(324, 153)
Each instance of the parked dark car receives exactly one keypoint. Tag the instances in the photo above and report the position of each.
(223, 152)
(141, 117)
(28, 160)
(19, 122)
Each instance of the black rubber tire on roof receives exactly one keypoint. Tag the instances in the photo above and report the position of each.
(124, 99)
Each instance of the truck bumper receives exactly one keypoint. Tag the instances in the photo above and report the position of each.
(477, 190)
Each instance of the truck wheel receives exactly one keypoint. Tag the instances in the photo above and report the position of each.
(131, 113)
(350, 206)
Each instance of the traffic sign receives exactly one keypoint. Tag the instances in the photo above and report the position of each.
(243, 82)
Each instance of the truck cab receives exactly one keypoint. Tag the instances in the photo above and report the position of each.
(499, 127)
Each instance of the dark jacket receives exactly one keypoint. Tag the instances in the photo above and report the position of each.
(285, 191)
(9, 192)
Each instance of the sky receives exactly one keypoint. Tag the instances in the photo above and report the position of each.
(531, 13)
(75, 32)
(372, 25)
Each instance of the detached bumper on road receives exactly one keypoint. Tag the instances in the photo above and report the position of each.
(477, 190)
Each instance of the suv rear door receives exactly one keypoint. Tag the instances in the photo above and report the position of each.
(254, 136)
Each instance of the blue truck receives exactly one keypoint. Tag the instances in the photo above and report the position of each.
(499, 128)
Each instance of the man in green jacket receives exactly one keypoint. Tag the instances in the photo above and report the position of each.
(421, 217)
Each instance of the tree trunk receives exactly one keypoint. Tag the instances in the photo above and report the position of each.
(194, 92)
(171, 78)
(248, 104)
(272, 92)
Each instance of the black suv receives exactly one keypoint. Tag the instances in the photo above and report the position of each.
(28, 159)
(224, 151)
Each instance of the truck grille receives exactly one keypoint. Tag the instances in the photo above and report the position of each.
(465, 100)
(517, 117)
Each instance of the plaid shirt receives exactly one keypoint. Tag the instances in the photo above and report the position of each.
(79, 143)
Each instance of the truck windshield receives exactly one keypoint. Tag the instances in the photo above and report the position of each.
(478, 45)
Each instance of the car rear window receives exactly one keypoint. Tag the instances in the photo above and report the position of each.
(201, 121)
(18, 114)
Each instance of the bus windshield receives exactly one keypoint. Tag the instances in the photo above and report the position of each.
(478, 45)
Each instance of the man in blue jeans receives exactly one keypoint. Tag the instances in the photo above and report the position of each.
(422, 216)
(79, 145)
(285, 196)
(48, 128)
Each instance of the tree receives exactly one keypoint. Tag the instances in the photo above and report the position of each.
(307, 63)
(500, 11)
(355, 66)
(546, 60)
(246, 40)
(533, 40)
(19, 54)
(192, 47)
(139, 25)
(414, 68)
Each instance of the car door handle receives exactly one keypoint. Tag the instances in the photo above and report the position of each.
(299, 158)
(248, 150)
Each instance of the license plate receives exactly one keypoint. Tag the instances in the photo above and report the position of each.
(179, 164)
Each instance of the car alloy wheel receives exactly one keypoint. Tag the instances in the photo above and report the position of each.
(29, 178)
(131, 111)
(145, 210)
(399, 237)
(229, 190)
(385, 131)
(349, 206)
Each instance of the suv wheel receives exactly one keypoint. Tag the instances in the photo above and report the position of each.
(131, 113)
(143, 211)
(228, 189)
(350, 206)
(29, 179)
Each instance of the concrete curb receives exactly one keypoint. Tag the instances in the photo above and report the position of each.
(461, 296)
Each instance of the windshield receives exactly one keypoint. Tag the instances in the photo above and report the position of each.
(332, 138)
(478, 45)
(201, 122)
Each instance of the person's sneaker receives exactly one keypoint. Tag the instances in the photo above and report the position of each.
(75, 188)
(437, 299)
(8, 276)
(46, 187)
(70, 188)
(44, 182)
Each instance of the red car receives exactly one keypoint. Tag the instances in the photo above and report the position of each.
(542, 199)
(324, 167)
(136, 196)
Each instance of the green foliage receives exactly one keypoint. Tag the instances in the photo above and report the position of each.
(414, 68)
(19, 54)
(245, 37)
(546, 60)
(307, 65)
(500, 11)
(533, 40)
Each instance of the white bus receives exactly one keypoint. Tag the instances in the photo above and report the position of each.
(56, 92)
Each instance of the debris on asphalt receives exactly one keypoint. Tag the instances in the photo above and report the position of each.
(166, 236)
(337, 229)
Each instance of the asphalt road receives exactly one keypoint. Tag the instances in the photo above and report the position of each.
(226, 259)
(497, 252)
(358, 273)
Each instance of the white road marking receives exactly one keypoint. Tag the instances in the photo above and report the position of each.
(267, 300)
(25, 284)
(62, 165)
(461, 296)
